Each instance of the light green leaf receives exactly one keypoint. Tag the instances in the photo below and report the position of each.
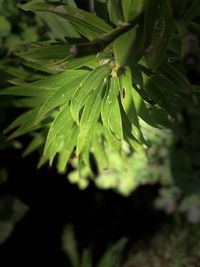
(89, 117)
(141, 107)
(115, 143)
(62, 119)
(124, 43)
(98, 148)
(26, 90)
(59, 97)
(110, 112)
(61, 138)
(128, 103)
(70, 140)
(115, 12)
(93, 80)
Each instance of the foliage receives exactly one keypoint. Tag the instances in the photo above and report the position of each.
(106, 84)
(171, 246)
(110, 258)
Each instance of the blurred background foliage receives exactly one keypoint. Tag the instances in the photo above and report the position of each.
(35, 46)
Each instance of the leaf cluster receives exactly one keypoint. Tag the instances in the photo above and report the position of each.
(107, 75)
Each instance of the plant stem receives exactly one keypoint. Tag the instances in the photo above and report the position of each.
(97, 45)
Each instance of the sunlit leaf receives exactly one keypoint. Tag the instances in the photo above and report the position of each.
(110, 112)
(60, 96)
(89, 117)
(94, 79)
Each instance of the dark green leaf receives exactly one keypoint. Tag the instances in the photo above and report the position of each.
(159, 27)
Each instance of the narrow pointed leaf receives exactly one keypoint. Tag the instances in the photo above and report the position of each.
(93, 80)
(110, 112)
(61, 120)
(159, 27)
(89, 117)
(87, 24)
(59, 97)
(70, 140)
(129, 105)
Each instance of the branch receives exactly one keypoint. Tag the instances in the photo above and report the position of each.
(98, 45)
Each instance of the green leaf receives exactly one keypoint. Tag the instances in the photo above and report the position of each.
(131, 8)
(93, 80)
(70, 140)
(129, 47)
(128, 104)
(180, 81)
(160, 117)
(26, 90)
(115, 143)
(154, 89)
(92, 61)
(89, 117)
(115, 12)
(69, 245)
(25, 121)
(6, 229)
(122, 47)
(41, 53)
(29, 102)
(141, 107)
(59, 27)
(5, 27)
(37, 142)
(59, 97)
(62, 119)
(86, 258)
(112, 257)
(46, 86)
(98, 148)
(110, 112)
(192, 12)
(85, 23)
(159, 27)
(12, 209)
(61, 131)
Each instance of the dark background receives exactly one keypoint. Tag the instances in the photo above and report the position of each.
(99, 217)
